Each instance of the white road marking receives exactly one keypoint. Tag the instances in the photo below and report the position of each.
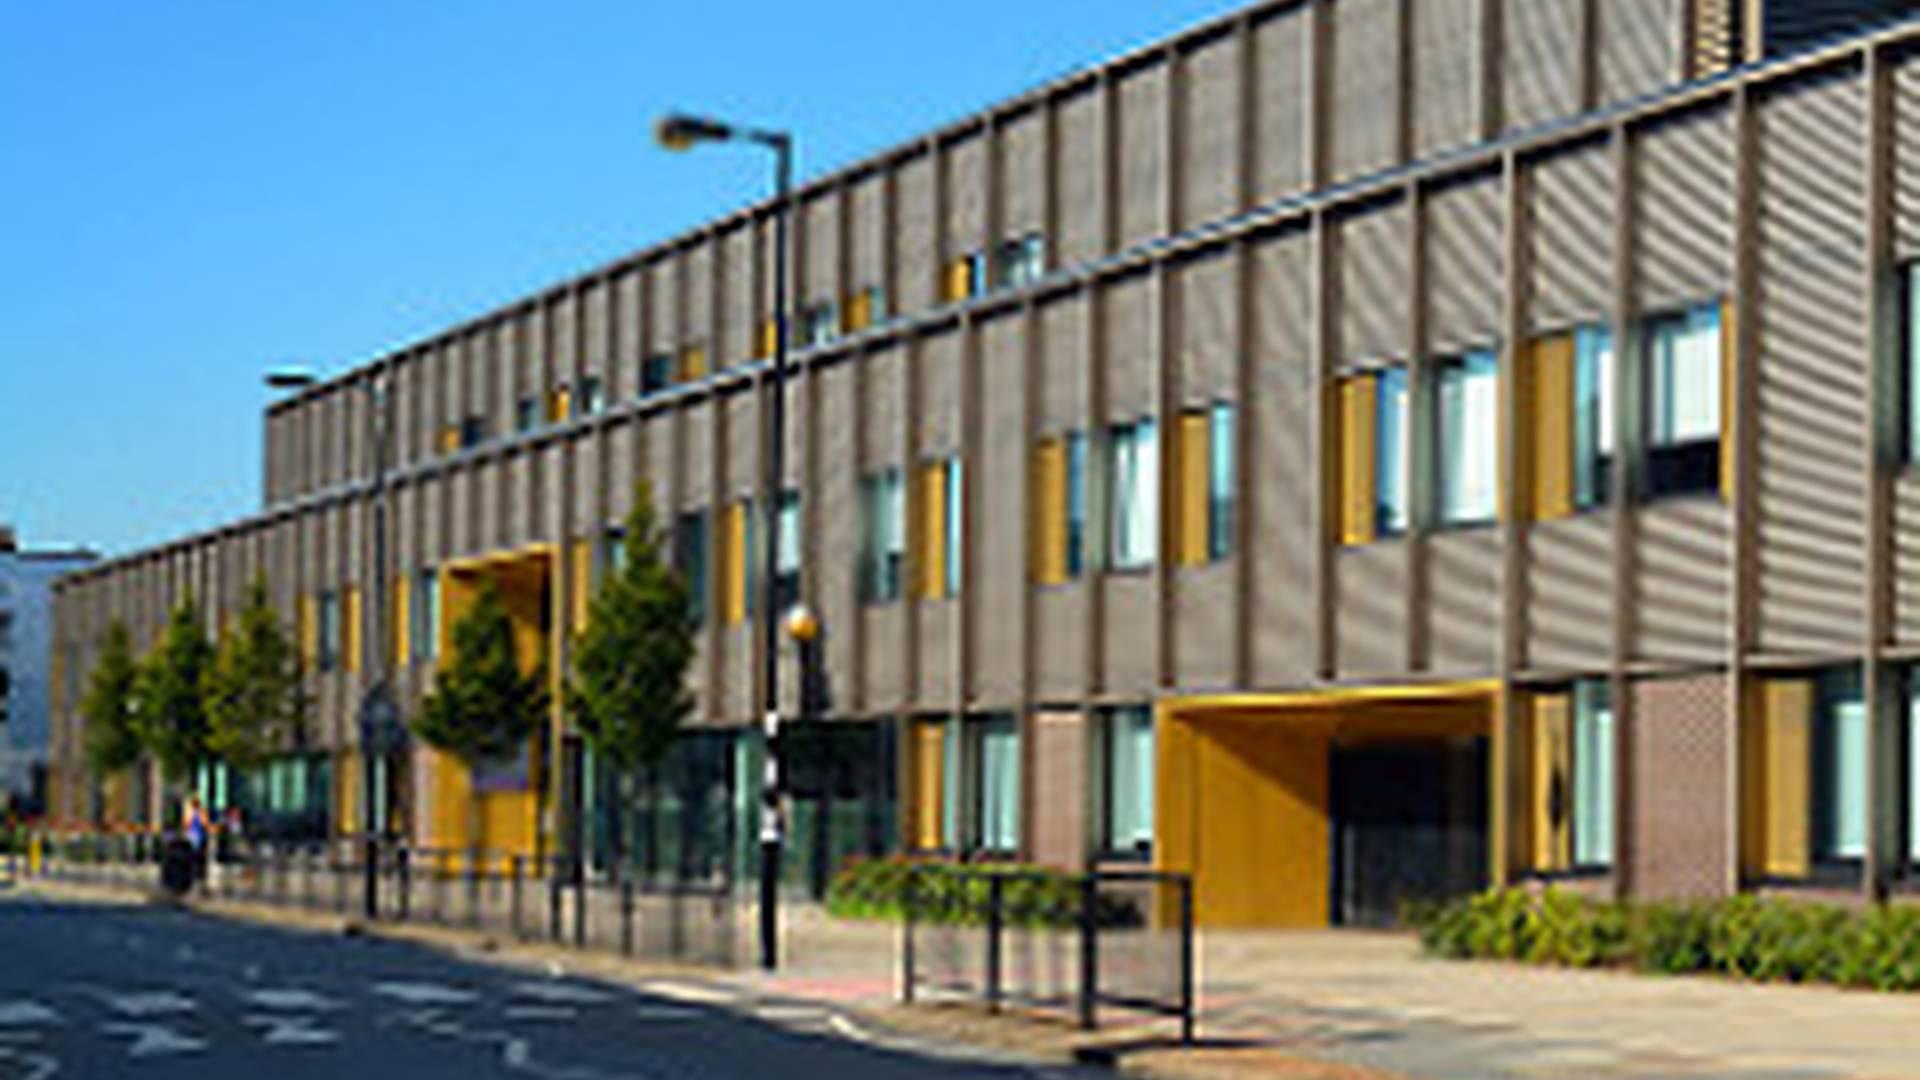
(291, 1000)
(292, 1030)
(541, 1012)
(39, 1066)
(152, 1040)
(689, 992)
(780, 1013)
(142, 1005)
(425, 993)
(560, 993)
(15, 1013)
(666, 1012)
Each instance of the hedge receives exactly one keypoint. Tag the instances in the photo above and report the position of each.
(1746, 937)
(960, 894)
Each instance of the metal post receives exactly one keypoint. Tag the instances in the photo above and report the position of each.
(995, 893)
(473, 887)
(579, 872)
(1186, 960)
(405, 856)
(1089, 952)
(626, 911)
(910, 901)
(514, 902)
(553, 900)
(772, 828)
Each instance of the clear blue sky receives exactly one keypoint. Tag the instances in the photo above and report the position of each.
(191, 193)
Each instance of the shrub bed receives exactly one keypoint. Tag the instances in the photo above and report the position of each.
(1746, 937)
(960, 894)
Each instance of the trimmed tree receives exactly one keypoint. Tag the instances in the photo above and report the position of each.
(628, 694)
(112, 743)
(256, 696)
(171, 693)
(482, 707)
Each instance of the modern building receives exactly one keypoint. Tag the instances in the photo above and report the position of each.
(26, 666)
(1352, 450)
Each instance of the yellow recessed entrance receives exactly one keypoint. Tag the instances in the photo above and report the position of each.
(1244, 789)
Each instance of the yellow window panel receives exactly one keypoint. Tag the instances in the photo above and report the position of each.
(559, 405)
(1190, 498)
(931, 566)
(769, 338)
(733, 563)
(959, 279)
(1729, 377)
(929, 779)
(1785, 777)
(449, 439)
(1050, 512)
(401, 623)
(857, 312)
(1551, 405)
(582, 571)
(1355, 510)
(693, 363)
(350, 629)
(1550, 802)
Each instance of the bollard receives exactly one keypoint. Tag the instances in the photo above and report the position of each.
(473, 889)
(1089, 952)
(553, 902)
(1186, 961)
(579, 874)
(405, 856)
(995, 892)
(626, 913)
(514, 902)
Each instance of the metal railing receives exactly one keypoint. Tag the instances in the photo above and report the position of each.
(550, 898)
(1064, 942)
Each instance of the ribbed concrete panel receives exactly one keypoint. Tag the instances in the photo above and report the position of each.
(793, 460)
(1023, 173)
(663, 296)
(521, 493)
(696, 301)
(1282, 462)
(1906, 558)
(1447, 79)
(938, 687)
(656, 437)
(1677, 826)
(741, 478)
(1463, 265)
(1370, 610)
(997, 576)
(1144, 170)
(966, 164)
(739, 318)
(1204, 299)
(1571, 238)
(939, 386)
(1813, 348)
(1684, 178)
(1639, 46)
(621, 470)
(1203, 611)
(586, 483)
(1063, 357)
(1463, 616)
(1281, 43)
(1542, 36)
(1126, 308)
(529, 360)
(836, 521)
(626, 320)
(1060, 642)
(820, 245)
(867, 233)
(885, 404)
(432, 535)
(1210, 131)
(915, 261)
(1681, 611)
(500, 347)
(1127, 640)
(1366, 86)
(488, 491)
(597, 305)
(553, 492)
(564, 322)
(884, 629)
(1906, 158)
(1078, 123)
(737, 701)
(1570, 593)
(1373, 284)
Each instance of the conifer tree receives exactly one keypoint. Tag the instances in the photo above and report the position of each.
(112, 743)
(171, 693)
(256, 700)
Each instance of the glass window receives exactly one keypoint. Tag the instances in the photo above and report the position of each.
(883, 535)
(1910, 385)
(1683, 401)
(1840, 769)
(1466, 428)
(592, 397)
(1133, 470)
(1593, 415)
(1019, 261)
(690, 558)
(473, 431)
(956, 505)
(1593, 775)
(1220, 449)
(424, 634)
(786, 555)
(1126, 752)
(1076, 503)
(526, 415)
(1390, 465)
(329, 657)
(994, 753)
(820, 323)
(1913, 766)
(656, 373)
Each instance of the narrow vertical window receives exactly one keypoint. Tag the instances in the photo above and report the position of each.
(1466, 427)
(882, 536)
(592, 397)
(1133, 470)
(1390, 460)
(956, 524)
(994, 754)
(786, 581)
(1076, 503)
(1220, 470)
(1910, 384)
(1126, 766)
(1683, 401)
(425, 612)
(1593, 774)
(656, 373)
(526, 415)
(1840, 769)
(690, 558)
(1913, 767)
(1593, 416)
(329, 654)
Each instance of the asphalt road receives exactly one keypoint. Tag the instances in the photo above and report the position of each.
(105, 991)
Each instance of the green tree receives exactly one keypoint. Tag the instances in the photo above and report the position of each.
(482, 708)
(171, 693)
(628, 694)
(112, 742)
(256, 697)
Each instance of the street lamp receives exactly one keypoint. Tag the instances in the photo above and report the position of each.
(679, 131)
(379, 714)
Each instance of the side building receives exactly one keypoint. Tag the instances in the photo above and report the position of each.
(1345, 479)
(27, 669)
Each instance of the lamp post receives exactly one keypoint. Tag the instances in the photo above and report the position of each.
(379, 714)
(682, 132)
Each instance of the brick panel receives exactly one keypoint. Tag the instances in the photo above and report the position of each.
(1058, 789)
(1678, 826)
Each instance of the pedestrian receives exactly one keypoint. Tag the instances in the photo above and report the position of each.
(226, 849)
(195, 824)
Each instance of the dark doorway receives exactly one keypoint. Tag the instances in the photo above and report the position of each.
(1409, 823)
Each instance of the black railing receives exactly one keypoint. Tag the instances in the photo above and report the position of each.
(527, 897)
(1046, 941)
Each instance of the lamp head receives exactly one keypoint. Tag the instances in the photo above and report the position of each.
(680, 131)
(290, 378)
(801, 624)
